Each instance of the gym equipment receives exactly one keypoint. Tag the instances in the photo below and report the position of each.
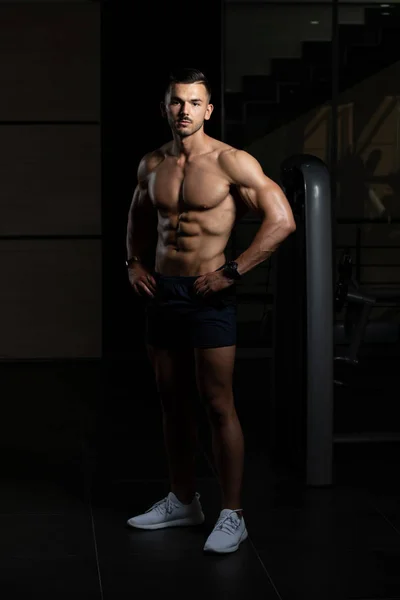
(301, 408)
(301, 405)
(358, 306)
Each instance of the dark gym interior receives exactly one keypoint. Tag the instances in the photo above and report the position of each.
(81, 432)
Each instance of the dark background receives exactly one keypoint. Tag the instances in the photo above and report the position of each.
(140, 45)
(80, 432)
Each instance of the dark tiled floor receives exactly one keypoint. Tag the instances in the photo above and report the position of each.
(82, 452)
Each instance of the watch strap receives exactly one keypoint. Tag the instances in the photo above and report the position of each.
(132, 259)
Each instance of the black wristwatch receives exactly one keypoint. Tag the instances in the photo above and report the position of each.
(131, 260)
(230, 270)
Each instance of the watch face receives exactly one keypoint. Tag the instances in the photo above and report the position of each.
(231, 271)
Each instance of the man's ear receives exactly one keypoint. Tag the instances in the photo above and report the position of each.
(163, 109)
(209, 110)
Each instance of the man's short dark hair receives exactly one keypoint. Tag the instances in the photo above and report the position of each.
(188, 76)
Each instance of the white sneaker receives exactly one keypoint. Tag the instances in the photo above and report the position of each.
(229, 532)
(170, 512)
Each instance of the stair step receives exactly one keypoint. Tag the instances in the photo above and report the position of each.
(259, 87)
(322, 74)
(359, 35)
(304, 97)
(290, 92)
(373, 58)
(233, 105)
(256, 109)
(390, 40)
(235, 133)
(291, 70)
(298, 85)
(317, 52)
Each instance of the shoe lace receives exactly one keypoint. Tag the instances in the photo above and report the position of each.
(228, 524)
(163, 506)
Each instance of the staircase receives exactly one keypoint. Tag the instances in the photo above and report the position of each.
(297, 85)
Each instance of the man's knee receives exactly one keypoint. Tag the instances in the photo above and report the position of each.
(220, 405)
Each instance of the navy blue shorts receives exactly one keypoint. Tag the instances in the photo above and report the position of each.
(178, 317)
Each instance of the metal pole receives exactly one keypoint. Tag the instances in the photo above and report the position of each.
(319, 326)
(319, 316)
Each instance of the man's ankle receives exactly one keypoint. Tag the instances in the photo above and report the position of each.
(239, 512)
(184, 497)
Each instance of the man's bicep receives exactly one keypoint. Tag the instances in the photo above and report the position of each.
(246, 176)
(261, 194)
(141, 204)
(142, 233)
(266, 199)
(142, 228)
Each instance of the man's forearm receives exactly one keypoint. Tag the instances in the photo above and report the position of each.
(267, 239)
(135, 245)
(146, 258)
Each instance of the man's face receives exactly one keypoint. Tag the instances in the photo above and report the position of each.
(187, 107)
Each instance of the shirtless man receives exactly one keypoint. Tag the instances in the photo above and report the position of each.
(190, 193)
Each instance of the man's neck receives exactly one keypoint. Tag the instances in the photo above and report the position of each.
(189, 146)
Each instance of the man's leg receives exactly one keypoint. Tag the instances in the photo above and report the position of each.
(176, 384)
(214, 373)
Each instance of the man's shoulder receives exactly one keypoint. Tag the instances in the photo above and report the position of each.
(238, 164)
(229, 154)
(219, 149)
(151, 160)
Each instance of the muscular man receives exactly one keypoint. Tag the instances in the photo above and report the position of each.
(189, 195)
